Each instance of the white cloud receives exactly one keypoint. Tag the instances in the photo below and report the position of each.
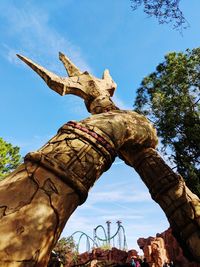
(76, 106)
(11, 54)
(79, 222)
(135, 224)
(137, 211)
(118, 216)
(118, 162)
(36, 38)
(120, 195)
(32, 144)
(120, 103)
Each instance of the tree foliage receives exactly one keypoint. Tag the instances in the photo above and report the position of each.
(170, 97)
(65, 246)
(9, 158)
(166, 11)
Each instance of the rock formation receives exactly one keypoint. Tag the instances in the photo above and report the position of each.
(100, 256)
(164, 247)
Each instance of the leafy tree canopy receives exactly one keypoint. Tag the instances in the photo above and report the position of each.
(9, 158)
(170, 97)
(166, 11)
(65, 246)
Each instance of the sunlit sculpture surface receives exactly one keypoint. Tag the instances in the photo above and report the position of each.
(37, 199)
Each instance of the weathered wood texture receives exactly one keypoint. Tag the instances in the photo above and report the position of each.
(38, 198)
(168, 189)
(35, 204)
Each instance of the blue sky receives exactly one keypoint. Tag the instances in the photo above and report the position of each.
(95, 35)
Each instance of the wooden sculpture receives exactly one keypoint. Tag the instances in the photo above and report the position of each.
(37, 199)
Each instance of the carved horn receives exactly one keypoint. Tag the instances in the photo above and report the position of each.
(51, 79)
(71, 69)
(106, 75)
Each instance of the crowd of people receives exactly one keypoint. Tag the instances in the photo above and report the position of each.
(135, 262)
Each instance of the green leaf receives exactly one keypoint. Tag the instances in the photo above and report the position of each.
(9, 158)
(170, 96)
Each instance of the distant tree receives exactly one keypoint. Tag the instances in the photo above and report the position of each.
(166, 11)
(170, 97)
(9, 158)
(65, 246)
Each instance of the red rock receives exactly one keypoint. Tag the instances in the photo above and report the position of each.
(113, 256)
(164, 247)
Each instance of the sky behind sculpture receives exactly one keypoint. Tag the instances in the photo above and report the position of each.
(95, 35)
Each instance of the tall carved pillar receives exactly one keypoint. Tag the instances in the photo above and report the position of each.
(168, 189)
(38, 198)
(35, 204)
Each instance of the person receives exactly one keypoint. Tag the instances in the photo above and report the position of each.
(133, 262)
(166, 264)
(144, 263)
(140, 262)
(171, 264)
(137, 263)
